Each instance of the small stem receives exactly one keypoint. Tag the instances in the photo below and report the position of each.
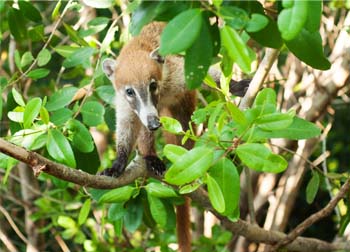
(250, 195)
(45, 45)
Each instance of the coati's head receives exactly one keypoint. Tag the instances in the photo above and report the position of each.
(136, 76)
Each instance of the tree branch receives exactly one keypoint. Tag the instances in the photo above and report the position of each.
(259, 78)
(327, 210)
(40, 164)
(138, 169)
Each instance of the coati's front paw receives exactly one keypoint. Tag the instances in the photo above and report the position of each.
(239, 88)
(154, 164)
(115, 171)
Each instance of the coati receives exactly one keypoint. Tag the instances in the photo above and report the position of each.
(148, 86)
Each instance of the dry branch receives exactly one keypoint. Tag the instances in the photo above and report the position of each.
(137, 169)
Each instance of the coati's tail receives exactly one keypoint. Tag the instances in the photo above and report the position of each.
(183, 224)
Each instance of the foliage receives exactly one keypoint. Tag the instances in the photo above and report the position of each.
(56, 92)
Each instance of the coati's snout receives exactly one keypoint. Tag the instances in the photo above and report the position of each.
(143, 100)
(153, 122)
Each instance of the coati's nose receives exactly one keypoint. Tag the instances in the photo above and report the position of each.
(153, 122)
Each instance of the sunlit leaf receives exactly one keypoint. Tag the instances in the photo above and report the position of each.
(181, 32)
(84, 212)
(92, 112)
(215, 195)
(44, 57)
(190, 166)
(31, 111)
(171, 125)
(235, 47)
(117, 195)
(59, 148)
(312, 187)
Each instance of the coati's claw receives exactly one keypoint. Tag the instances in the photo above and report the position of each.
(154, 164)
(110, 172)
(239, 88)
(116, 170)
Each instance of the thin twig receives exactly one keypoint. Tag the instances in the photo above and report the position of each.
(325, 171)
(314, 217)
(13, 225)
(259, 78)
(45, 45)
(250, 195)
(91, 84)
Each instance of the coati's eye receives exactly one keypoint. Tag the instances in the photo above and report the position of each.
(130, 92)
(153, 86)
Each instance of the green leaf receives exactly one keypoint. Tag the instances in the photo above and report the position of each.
(117, 195)
(56, 12)
(274, 40)
(87, 161)
(158, 210)
(257, 23)
(17, 24)
(18, 97)
(299, 129)
(74, 36)
(133, 216)
(171, 125)
(274, 121)
(15, 116)
(160, 191)
(80, 56)
(81, 139)
(174, 152)
(44, 57)
(61, 98)
(94, 26)
(259, 158)
(84, 212)
(307, 46)
(107, 94)
(236, 48)
(234, 17)
(44, 115)
(66, 222)
(190, 188)
(31, 111)
(191, 166)
(92, 112)
(267, 96)
(236, 114)
(59, 148)
(61, 116)
(144, 14)
(18, 60)
(65, 50)
(312, 187)
(36, 33)
(116, 211)
(215, 195)
(181, 32)
(1, 103)
(198, 58)
(38, 73)
(27, 137)
(100, 4)
(292, 18)
(29, 11)
(26, 59)
(226, 175)
(314, 15)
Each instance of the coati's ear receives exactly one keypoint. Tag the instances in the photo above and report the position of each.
(155, 56)
(108, 67)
